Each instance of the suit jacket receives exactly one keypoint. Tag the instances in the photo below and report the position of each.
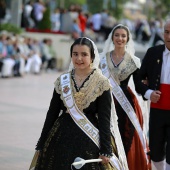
(151, 68)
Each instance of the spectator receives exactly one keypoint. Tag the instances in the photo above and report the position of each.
(48, 58)
(76, 31)
(26, 15)
(55, 20)
(96, 22)
(6, 52)
(82, 22)
(37, 12)
(2, 10)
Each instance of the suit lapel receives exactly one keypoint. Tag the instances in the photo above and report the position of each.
(159, 54)
(157, 71)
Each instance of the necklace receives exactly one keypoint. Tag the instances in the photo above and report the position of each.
(80, 78)
(117, 61)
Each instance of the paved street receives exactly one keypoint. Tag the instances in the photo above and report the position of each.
(23, 106)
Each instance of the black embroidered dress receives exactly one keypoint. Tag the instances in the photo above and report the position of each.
(130, 138)
(62, 140)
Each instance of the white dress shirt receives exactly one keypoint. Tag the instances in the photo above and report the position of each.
(165, 72)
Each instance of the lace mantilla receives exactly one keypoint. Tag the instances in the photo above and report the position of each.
(126, 67)
(92, 88)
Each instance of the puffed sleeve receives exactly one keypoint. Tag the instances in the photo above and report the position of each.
(52, 115)
(104, 114)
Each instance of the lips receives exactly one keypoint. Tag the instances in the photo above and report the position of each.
(119, 43)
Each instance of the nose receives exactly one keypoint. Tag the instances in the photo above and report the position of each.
(79, 57)
(119, 37)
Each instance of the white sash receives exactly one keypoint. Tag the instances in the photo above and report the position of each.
(123, 101)
(80, 119)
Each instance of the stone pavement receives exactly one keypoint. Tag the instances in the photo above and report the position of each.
(23, 106)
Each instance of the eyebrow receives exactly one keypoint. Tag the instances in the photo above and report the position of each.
(121, 34)
(84, 52)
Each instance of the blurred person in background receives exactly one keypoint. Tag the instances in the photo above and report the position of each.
(34, 61)
(48, 55)
(38, 12)
(55, 20)
(76, 31)
(26, 20)
(82, 22)
(2, 10)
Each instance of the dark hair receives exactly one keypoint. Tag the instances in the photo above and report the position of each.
(83, 41)
(121, 27)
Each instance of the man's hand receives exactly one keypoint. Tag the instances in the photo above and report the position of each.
(155, 96)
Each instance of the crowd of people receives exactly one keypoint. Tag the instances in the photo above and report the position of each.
(82, 23)
(20, 55)
(95, 114)
(79, 22)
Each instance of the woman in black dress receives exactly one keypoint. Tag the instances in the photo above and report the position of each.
(119, 64)
(82, 91)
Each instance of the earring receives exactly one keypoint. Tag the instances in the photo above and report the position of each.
(91, 65)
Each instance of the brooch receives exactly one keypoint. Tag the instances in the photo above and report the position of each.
(79, 98)
(66, 89)
(65, 77)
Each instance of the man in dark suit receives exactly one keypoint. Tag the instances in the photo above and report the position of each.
(156, 70)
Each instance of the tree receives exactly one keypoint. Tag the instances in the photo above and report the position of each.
(95, 6)
(114, 7)
(45, 23)
(161, 8)
(67, 3)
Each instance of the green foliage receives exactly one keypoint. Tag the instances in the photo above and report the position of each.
(95, 6)
(161, 8)
(45, 23)
(117, 10)
(10, 28)
(72, 2)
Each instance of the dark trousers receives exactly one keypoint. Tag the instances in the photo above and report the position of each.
(51, 63)
(1, 63)
(159, 135)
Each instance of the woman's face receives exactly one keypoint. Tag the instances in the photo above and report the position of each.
(120, 38)
(81, 57)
